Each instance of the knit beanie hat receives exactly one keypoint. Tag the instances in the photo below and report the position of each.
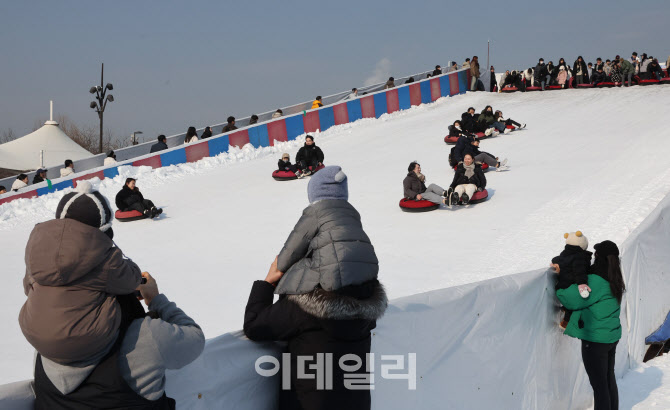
(328, 183)
(88, 207)
(576, 239)
(606, 248)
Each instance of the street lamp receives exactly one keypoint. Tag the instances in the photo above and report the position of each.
(133, 138)
(102, 97)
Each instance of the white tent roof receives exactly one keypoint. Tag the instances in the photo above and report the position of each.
(24, 153)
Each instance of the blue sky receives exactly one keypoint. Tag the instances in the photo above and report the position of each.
(177, 63)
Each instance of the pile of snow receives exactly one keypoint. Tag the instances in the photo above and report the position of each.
(593, 160)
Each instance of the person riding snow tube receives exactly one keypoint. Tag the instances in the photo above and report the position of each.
(132, 205)
(310, 157)
(285, 170)
(468, 180)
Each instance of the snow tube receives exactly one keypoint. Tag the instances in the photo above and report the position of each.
(412, 205)
(533, 88)
(481, 135)
(665, 80)
(510, 127)
(485, 166)
(648, 82)
(322, 166)
(584, 85)
(606, 84)
(128, 216)
(450, 140)
(553, 87)
(479, 196)
(284, 175)
(509, 89)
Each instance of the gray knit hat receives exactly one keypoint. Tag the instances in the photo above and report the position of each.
(328, 183)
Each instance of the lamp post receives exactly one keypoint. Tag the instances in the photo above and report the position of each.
(102, 99)
(133, 138)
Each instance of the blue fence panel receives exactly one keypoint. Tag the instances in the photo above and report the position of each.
(425, 92)
(54, 187)
(294, 126)
(175, 157)
(259, 136)
(111, 172)
(380, 104)
(326, 118)
(463, 85)
(403, 98)
(445, 87)
(218, 145)
(354, 110)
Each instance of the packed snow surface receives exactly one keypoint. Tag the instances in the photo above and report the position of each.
(593, 160)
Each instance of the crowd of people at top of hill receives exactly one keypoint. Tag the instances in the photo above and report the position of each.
(619, 70)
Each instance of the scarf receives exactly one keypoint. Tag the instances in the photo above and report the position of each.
(469, 170)
(421, 177)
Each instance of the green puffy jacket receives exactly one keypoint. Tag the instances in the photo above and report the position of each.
(599, 313)
(627, 67)
(487, 118)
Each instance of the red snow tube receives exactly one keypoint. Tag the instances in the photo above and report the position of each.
(584, 85)
(510, 127)
(665, 80)
(450, 140)
(320, 167)
(509, 89)
(412, 205)
(533, 88)
(553, 87)
(128, 216)
(481, 135)
(648, 82)
(485, 166)
(607, 84)
(479, 196)
(284, 175)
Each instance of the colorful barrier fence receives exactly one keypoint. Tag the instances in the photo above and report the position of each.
(281, 129)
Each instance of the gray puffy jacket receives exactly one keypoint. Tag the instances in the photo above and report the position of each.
(327, 247)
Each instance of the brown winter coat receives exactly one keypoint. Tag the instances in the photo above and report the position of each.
(73, 272)
(474, 69)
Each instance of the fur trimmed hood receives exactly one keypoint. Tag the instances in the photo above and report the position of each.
(338, 306)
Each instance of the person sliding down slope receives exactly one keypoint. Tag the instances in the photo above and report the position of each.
(468, 179)
(130, 198)
(284, 164)
(414, 186)
(484, 157)
(309, 156)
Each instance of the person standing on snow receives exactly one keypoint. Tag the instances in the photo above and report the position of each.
(308, 156)
(329, 296)
(595, 320)
(474, 71)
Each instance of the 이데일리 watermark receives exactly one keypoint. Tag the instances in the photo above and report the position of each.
(319, 367)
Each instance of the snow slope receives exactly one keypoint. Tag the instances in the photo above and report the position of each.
(593, 160)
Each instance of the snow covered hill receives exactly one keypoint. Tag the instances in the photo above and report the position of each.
(594, 160)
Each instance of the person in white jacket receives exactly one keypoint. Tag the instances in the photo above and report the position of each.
(68, 170)
(21, 182)
(191, 136)
(111, 159)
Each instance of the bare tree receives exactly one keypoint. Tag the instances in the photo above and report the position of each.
(7, 135)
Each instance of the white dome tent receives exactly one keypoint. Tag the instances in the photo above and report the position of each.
(47, 147)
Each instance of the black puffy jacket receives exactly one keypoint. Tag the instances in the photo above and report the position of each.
(337, 322)
(309, 153)
(460, 148)
(126, 197)
(575, 264)
(478, 178)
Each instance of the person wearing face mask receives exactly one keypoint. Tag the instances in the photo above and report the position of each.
(284, 164)
(488, 119)
(541, 74)
(468, 179)
(627, 71)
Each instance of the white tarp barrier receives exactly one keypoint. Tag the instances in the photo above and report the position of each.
(492, 344)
